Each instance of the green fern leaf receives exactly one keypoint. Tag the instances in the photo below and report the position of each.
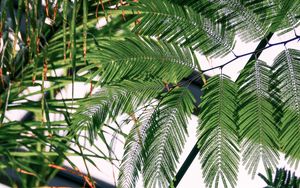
(183, 25)
(258, 131)
(112, 101)
(249, 19)
(282, 178)
(286, 16)
(218, 140)
(287, 72)
(133, 158)
(140, 58)
(166, 137)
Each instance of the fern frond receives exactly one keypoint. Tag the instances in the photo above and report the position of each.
(205, 7)
(252, 19)
(218, 140)
(183, 25)
(112, 101)
(258, 131)
(142, 58)
(286, 17)
(132, 157)
(282, 178)
(249, 19)
(287, 72)
(166, 136)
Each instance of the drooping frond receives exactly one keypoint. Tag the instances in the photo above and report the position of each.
(218, 140)
(258, 130)
(140, 58)
(166, 136)
(132, 158)
(112, 101)
(287, 72)
(183, 25)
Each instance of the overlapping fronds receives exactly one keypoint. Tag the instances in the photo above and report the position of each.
(20, 147)
(112, 101)
(39, 37)
(249, 19)
(258, 131)
(286, 16)
(287, 72)
(218, 140)
(183, 25)
(141, 58)
(282, 178)
(166, 136)
(133, 158)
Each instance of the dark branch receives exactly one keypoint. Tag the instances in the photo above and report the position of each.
(256, 53)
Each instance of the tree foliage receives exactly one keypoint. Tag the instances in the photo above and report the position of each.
(137, 60)
(218, 140)
(282, 178)
(259, 133)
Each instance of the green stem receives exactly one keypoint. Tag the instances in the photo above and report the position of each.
(6, 104)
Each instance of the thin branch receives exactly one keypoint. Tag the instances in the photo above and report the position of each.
(255, 52)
